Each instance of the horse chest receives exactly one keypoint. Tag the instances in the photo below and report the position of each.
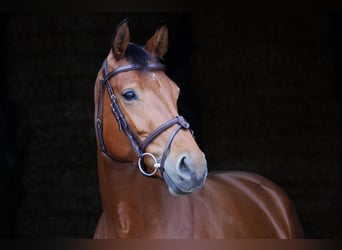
(175, 218)
(189, 217)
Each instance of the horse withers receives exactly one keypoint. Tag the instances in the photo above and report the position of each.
(153, 177)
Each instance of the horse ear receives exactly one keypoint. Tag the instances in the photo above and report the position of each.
(120, 39)
(157, 45)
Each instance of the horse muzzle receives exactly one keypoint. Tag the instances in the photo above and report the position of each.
(186, 174)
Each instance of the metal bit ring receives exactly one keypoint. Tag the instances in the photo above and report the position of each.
(156, 164)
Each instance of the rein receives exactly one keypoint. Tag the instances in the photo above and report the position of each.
(138, 145)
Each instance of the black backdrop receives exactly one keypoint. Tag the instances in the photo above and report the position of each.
(260, 91)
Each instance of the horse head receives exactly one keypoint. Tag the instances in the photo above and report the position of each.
(136, 114)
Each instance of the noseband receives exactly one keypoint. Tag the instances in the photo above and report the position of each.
(138, 145)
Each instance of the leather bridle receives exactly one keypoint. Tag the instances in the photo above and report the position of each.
(138, 145)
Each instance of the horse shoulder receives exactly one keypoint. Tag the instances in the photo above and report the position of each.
(263, 193)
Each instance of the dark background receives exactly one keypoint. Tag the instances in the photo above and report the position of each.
(261, 90)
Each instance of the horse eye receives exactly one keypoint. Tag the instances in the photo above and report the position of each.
(129, 95)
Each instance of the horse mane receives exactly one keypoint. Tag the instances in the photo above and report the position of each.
(137, 55)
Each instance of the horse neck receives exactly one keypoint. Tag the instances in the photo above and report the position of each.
(129, 199)
(122, 183)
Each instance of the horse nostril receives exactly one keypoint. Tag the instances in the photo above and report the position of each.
(183, 169)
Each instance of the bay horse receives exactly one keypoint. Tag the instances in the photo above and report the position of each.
(153, 177)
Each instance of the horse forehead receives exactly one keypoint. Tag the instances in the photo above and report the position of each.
(157, 79)
(139, 76)
(160, 79)
(154, 76)
(150, 82)
(150, 79)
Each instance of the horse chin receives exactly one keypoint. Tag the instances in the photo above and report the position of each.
(176, 192)
(173, 189)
